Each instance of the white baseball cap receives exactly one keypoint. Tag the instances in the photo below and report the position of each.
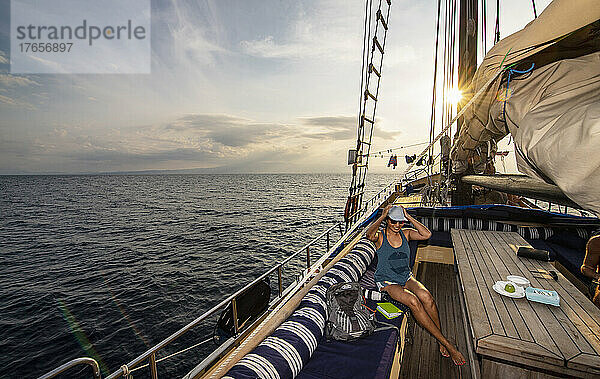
(396, 213)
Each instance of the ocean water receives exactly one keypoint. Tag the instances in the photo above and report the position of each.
(107, 266)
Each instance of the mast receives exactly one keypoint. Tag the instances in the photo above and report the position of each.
(467, 64)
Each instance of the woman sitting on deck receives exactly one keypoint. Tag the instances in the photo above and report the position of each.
(394, 276)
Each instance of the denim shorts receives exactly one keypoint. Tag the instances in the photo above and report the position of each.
(385, 283)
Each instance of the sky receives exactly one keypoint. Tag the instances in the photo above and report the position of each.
(235, 86)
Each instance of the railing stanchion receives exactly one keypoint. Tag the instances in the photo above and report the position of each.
(152, 364)
(73, 363)
(279, 279)
(307, 256)
(328, 240)
(235, 316)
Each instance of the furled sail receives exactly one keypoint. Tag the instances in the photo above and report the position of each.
(548, 99)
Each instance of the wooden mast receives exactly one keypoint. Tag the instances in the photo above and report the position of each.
(467, 64)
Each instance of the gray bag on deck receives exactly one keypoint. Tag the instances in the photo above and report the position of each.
(347, 317)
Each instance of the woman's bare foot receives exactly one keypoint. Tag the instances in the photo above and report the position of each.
(457, 357)
(444, 351)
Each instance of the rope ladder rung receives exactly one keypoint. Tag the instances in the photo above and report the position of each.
(381, 19)
(369, 94)
(373, 69)
(377, 44)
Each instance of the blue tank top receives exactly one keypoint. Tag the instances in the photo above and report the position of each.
(393, 263)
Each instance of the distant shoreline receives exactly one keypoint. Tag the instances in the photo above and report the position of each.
(187, 172)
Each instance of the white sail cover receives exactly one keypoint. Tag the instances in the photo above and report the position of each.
(554, 118)
(553, 113)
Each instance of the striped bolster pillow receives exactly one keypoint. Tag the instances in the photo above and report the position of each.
(289, 347)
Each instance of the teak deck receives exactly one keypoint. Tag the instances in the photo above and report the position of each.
(516, 336)
(422, 358)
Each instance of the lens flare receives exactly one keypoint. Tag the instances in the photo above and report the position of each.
(80, 336)
(454, 96)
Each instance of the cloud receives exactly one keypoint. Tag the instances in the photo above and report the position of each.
(16, 103)
(400, 55)
(268, 48)
(314, 32)
(192, 30)
(132, 157)
(228, 130)
(7, 100)
(11, 85)
(193, 140)
(7, 80)
(224, 142)
(338, 128)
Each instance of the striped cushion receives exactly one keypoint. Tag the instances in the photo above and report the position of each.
(289, 347)
(444, 224)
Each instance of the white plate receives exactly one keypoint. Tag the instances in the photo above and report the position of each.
(519, 280)
(499, 287)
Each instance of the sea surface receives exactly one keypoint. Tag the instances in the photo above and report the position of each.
(106, 266)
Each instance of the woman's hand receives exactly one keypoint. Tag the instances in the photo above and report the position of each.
(386, 210)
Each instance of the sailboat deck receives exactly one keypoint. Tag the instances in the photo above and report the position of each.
(422, 358)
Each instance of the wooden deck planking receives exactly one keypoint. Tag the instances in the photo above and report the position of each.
(550, 338)
(436, 368)
(451, 315)
(456, 315)
(422, 359)
(447, 320)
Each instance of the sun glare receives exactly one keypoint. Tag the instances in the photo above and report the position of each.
(454, 96)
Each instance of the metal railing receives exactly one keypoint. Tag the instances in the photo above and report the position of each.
(150, 355)
(73, 363)
(386, 191)
(364, 208)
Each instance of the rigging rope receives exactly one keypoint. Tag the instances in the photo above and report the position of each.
(497, 31)
(510, 72)
(534, 10)
(367, 29)
(433, 101)
(164, 358)
(459, 114)
(398, 148)
(484, 26)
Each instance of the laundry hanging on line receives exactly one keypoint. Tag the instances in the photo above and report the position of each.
(393, 161)
(410, 158)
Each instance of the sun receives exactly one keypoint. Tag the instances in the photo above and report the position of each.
(454, 96)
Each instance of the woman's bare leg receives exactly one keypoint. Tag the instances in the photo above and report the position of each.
(426, 298)
(408, 298)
